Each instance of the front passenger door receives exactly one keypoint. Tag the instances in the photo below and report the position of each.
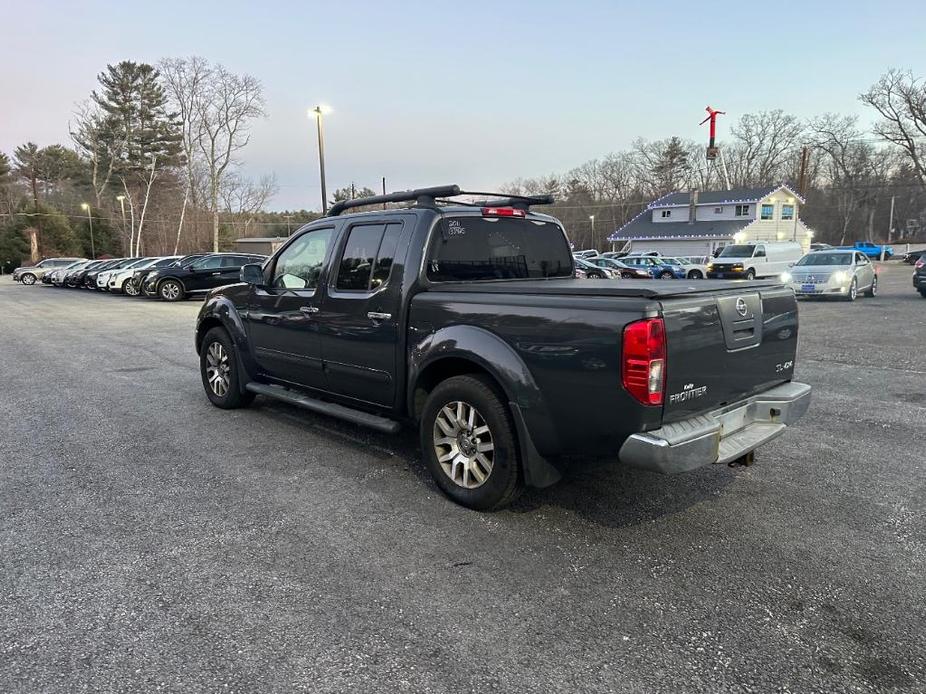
(282, 316)
(201, 271)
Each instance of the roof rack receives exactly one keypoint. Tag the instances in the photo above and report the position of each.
(423, 196)
(427, 197)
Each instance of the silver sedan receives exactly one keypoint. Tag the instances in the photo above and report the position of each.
(833, 272)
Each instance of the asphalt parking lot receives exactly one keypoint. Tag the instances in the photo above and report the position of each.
(149, 541)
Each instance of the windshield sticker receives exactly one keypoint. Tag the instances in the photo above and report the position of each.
(455, 228)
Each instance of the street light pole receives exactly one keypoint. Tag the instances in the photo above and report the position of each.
(594, 238)
(318, 111)
(86, 206)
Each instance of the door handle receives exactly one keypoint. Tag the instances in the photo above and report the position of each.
(376, 315)
(308, 309)
(216, 273)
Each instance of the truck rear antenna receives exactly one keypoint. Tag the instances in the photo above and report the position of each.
(428, 197)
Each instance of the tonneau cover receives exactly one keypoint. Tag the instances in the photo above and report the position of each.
(645, 289)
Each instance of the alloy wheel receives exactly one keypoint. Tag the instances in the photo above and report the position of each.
(170, 291)
(129, 288)
(218, 369)
(463, 444)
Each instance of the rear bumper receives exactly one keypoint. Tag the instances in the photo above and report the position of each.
(720, 436)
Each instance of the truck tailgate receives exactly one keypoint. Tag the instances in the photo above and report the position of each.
(727, 345)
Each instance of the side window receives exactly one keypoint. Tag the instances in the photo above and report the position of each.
(367, 259)
(760, 252)
(213, 262)
(861, 258)
(232, 261)
(300, 265)
(768, 211)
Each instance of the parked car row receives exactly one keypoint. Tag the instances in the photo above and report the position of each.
(169, 278)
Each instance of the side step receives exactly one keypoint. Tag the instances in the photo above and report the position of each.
(348, 414)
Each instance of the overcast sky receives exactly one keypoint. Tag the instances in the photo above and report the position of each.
(470, 93)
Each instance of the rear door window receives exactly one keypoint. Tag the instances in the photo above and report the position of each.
(367, 258)
(470, 248)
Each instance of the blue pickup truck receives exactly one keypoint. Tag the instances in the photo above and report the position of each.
(872, 250)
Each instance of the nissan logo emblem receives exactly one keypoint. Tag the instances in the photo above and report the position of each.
(741, 307)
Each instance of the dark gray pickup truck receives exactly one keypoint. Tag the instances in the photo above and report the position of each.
(464, 319)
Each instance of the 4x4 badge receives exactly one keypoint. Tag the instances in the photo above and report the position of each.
(741, 307)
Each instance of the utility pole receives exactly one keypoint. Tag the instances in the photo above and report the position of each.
(384, 190)
(802, 177)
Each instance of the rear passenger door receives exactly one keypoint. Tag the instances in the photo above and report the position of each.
(359, 316)
(201, 273)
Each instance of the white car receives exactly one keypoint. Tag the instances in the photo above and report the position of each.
(122, 281)
(103, 279)
(693, 270)
(840, 273)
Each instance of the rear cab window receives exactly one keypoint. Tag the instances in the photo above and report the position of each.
(472, 248)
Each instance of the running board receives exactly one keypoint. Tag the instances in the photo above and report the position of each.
(348, 414)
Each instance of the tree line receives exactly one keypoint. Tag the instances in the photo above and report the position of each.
(153, 167)
(851, 174)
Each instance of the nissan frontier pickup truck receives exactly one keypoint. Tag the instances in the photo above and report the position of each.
(461, 316)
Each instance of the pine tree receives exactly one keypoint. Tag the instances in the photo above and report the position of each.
(134, 130)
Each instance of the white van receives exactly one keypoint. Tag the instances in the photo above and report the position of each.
(755, 259)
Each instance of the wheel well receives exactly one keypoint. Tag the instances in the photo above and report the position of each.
(204, 327)
(441, 370)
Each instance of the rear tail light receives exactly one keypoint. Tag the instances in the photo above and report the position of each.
(503, 212)
(643, 360)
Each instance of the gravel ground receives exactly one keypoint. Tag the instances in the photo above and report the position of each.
(149, 541)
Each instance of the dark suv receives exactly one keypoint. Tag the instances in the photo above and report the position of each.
(209, 272)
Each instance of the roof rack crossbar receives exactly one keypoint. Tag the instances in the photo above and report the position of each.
(422, 196)
(522, 202)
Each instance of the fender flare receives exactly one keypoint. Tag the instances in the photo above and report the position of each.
(219, 309)
(495, 356)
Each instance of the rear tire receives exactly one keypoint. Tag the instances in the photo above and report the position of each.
(28, 279)
(666, 275)
(923, 293)
(171, 290)
(218, 366)
(468, 443)
(695, 275)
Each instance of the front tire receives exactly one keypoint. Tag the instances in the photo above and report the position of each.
(852, 294)
(695, 275)
(750, 274)
(218, 366)
(872, 291)
(171, 290)
(468, 443)
(666, 275)
(129, 288)
(28, 279)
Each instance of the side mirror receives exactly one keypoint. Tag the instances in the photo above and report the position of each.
(790, 264)
(252, 274)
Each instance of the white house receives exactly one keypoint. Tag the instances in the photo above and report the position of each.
(698, 222)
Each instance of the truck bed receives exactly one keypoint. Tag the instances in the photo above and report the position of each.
(641, 289)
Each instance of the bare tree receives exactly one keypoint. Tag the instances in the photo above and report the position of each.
(244, 198)
(763, 146)
(900, 99)
(223, 113)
